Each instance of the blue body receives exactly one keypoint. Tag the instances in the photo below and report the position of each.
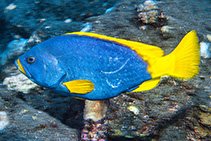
(110, 66)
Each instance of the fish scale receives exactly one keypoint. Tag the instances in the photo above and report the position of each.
(110, 76)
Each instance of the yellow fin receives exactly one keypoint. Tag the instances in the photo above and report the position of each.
(79, 86)
(183, 62)
(79, 98)
(144, 50)
(147, 85)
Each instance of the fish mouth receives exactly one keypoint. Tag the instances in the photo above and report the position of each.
(21, 68)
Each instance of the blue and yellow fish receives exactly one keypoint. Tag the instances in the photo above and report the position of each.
(97, 67)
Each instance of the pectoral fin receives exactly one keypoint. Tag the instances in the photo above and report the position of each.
(79, 86)
(147, 85)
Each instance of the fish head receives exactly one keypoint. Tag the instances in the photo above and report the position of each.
(41, 66)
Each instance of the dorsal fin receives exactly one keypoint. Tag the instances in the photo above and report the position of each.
(144, 50)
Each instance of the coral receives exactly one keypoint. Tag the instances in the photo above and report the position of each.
(205, 49)
(209, 37)
(109, 9)
(134, 109)
(19, 83)
(95, 124)
(15, 47)
(4, 121)
(87, 27)
(94, 130)
(68, 20)
(150, 13)
(10, 7)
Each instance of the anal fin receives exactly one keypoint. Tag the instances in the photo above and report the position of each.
(79, 86)
(147, 85)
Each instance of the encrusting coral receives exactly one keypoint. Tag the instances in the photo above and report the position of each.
(150, 13)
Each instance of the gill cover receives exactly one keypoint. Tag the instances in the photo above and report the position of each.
(53, 72)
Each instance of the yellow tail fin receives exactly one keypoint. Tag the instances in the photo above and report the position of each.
(183, 62)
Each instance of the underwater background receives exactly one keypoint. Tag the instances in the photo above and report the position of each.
(176, 110)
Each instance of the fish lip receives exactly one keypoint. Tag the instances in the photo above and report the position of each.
(21, 68)
(16, 64)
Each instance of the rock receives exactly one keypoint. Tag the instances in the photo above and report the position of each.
(205, 119)
(31, 124)
(21, 15)
(163, 105)
(198, 124)
(50, 29)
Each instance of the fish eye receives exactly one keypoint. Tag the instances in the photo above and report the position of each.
(30, 59)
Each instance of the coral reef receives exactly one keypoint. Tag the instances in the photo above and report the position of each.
(34, 115)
